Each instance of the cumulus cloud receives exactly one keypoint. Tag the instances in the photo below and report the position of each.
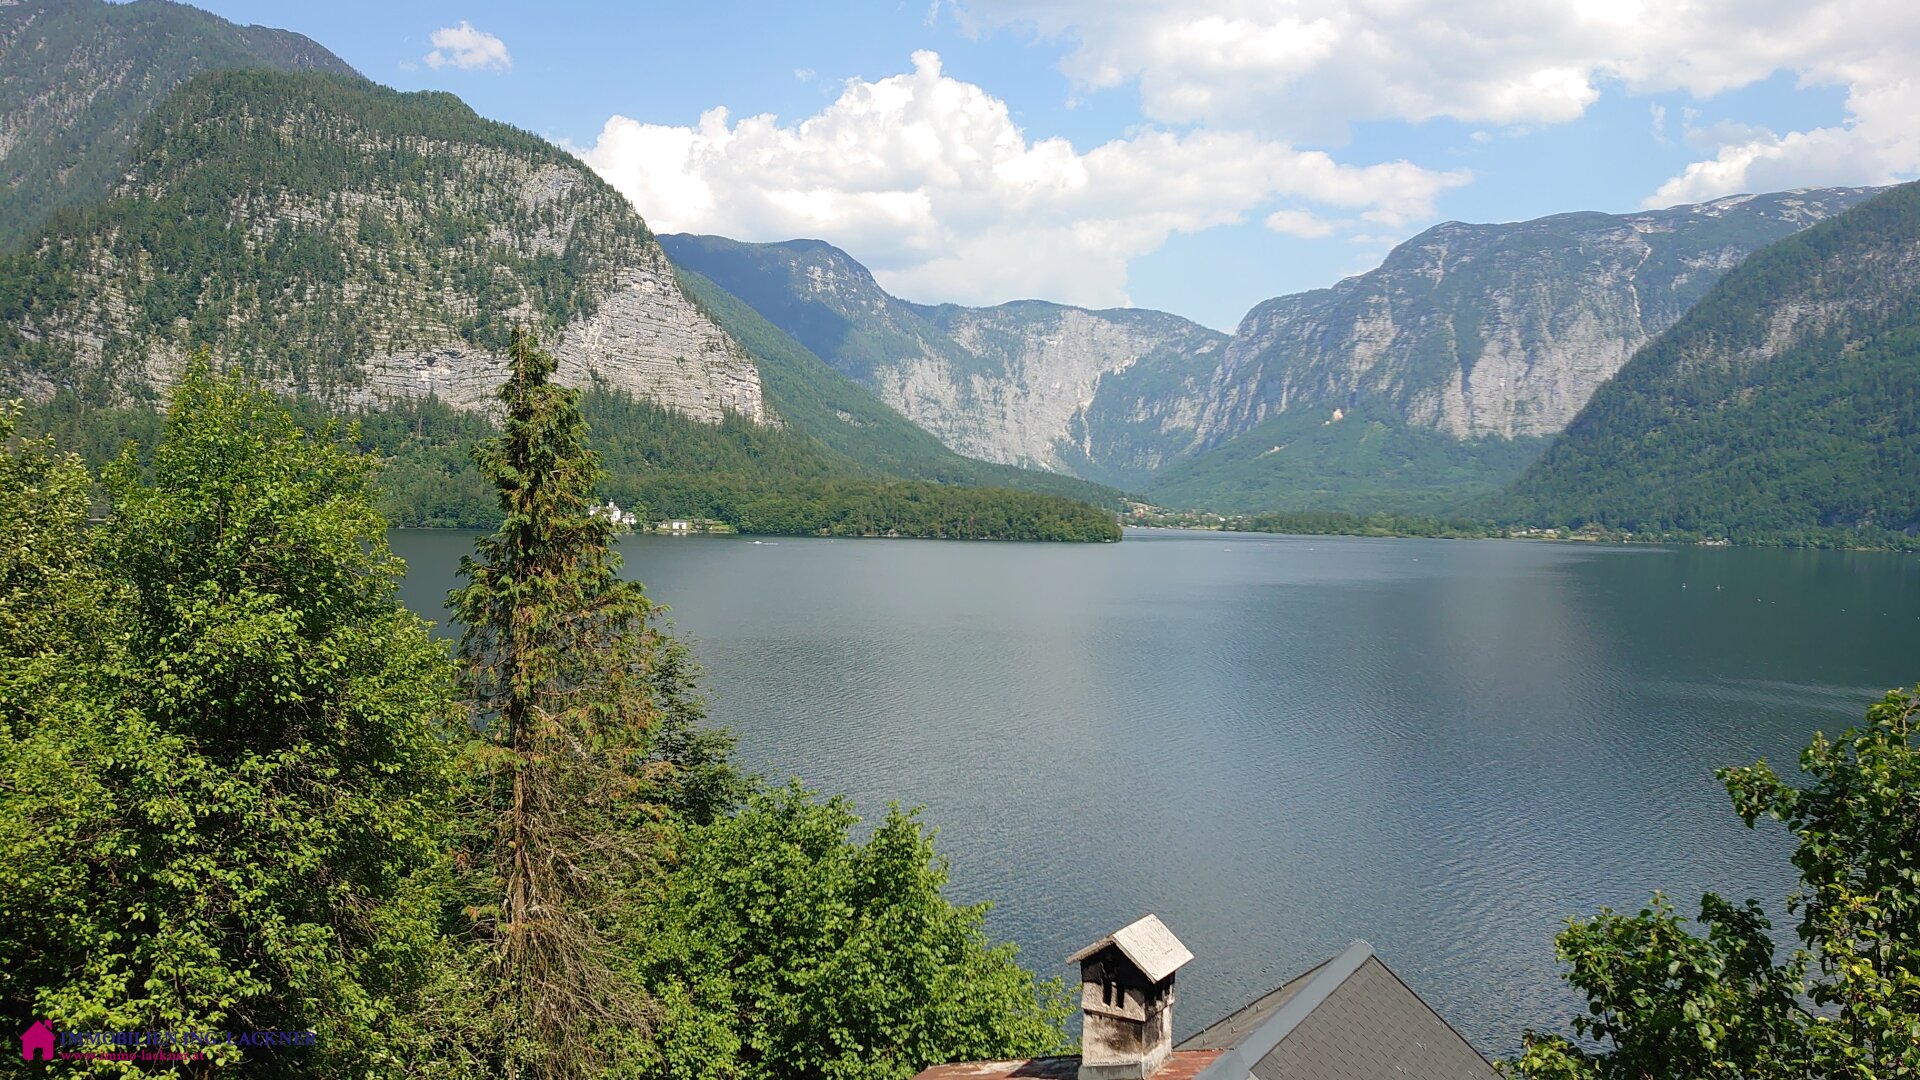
(928, 181)
(1301, 223)
(1878, 144)
(1311, 68)
(468, 49)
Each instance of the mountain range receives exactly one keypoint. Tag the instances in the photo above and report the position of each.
(1456, 357)
(367, 251)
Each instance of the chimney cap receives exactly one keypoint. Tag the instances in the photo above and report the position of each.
(1147, 943)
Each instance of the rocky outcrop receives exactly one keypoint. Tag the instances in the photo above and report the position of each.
(1032, 375)
(1502, 330)
(1023, 383)
(644, 337)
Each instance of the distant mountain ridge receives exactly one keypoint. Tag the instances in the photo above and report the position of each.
(1464, 333)
(78, 76)
(1502, 330)
(1014, 383)
(1784, 406)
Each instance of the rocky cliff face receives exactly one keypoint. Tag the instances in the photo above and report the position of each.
(78, 76)
(1503, 330)
(644, 336)
(1465, 330)
(1025, 383)
(356, 244)
(1032, 375)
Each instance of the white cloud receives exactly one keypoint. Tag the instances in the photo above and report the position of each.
(1299, 223)
(468, 49)
(1312, 68)
(1878, 144)
(928, 181)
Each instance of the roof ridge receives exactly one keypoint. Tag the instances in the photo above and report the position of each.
(1237, 1063)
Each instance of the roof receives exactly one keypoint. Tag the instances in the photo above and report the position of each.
(1183, 1065)
(1148, 943)
(1350, 1018)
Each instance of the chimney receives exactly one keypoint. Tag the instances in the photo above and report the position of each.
(1126, 998)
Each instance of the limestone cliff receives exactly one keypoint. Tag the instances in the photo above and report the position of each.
(1469, 331)
(355, 244)
(1026, 383)
(1503, 330)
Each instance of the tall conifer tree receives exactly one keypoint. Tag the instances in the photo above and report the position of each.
(559, 658)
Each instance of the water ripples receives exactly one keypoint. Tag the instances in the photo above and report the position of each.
(1282, 744)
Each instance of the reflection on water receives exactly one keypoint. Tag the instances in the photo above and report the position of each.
(1280, 744)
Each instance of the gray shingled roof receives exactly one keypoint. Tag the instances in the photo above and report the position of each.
(1351, 1018)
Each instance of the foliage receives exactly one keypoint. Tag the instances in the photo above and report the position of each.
(1858, 825)
(559, 658)
(1718, 428)
(1668, 1003)
(225, 789)
(223, 800)
(661, 464)
(783, 948)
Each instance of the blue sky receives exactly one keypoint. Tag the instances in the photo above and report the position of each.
(1196, 156)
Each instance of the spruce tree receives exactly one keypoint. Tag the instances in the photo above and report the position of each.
(559, 660)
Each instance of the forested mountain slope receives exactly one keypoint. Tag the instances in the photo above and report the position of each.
(1361, 460)
(78, 76)
(1786, 403)
(357, 245)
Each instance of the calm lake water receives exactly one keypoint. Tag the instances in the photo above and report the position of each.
(1281, 744)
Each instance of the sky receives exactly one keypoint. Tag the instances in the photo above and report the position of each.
(1194, 156)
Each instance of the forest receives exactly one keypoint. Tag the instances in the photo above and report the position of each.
(242, 789)
(657, 463)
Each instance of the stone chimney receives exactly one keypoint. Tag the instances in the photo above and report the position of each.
(1126, 996)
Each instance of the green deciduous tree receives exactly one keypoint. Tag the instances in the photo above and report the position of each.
(1665, 1002)
(781, 948)
(227, 813)
(1858, 824)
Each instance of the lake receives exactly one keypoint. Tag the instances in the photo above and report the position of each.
(1281, 744)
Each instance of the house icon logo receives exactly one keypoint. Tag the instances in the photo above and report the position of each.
(37, 1039)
